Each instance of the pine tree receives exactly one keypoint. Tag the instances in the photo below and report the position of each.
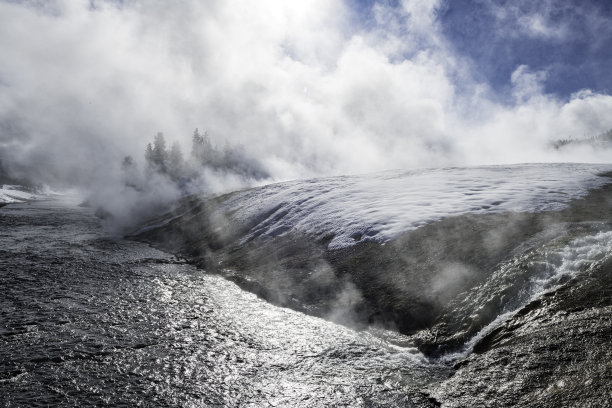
(149, 154)
(127, 163)
(175, 162)
(131, 176)
(160, 155)
(201, 148)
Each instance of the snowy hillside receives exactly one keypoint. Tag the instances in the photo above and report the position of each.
(379, 207)
(17, 194)
(401, 248)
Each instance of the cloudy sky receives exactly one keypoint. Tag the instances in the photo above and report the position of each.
(310, 88)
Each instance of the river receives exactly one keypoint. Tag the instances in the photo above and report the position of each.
(91, 320)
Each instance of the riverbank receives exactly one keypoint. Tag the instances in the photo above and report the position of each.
(417, 281)
(554, 352)
(93, 320)
(517, 304)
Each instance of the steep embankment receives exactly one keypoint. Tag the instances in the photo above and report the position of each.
(554, 352)
(443, 281)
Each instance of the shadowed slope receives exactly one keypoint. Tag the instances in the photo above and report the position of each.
(426, 278)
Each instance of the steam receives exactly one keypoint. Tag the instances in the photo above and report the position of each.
(345, 306)
(307, 88)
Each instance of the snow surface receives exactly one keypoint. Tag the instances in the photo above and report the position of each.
(16, 194)
(379, 207)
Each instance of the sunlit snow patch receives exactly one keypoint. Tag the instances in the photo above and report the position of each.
(379, 207)
(18, 194)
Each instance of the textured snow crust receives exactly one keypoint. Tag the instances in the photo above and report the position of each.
(15, 194)
(381, 206)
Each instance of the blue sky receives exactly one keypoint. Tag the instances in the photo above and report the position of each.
(570, 40)
(578, 57)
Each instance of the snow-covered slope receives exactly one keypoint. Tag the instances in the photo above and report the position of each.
(381, 206)
(17, 194)
(299, 244)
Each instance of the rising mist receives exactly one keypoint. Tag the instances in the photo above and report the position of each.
(307, 90)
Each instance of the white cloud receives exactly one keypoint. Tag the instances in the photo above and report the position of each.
(531, 19)
(292, 81)
(537, 25)
(527, 84)
(555, 21)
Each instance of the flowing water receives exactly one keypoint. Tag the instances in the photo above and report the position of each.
(89, 320)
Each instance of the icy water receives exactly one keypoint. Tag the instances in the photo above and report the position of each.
(88, 320)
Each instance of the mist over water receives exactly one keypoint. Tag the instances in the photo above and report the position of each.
(307, 90)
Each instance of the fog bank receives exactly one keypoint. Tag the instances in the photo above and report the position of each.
(306, 89)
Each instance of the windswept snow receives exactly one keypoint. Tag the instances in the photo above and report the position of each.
(16, 194)
(381, 206)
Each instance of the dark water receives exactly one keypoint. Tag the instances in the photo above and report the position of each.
(88, 320)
